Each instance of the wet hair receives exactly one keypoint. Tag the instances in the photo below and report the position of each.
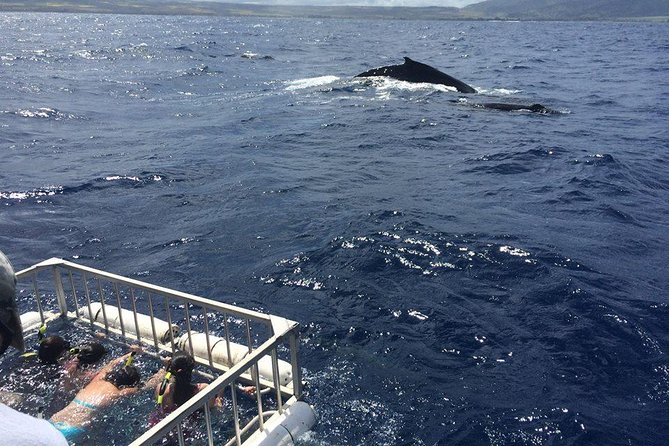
(126, 376)
(51, 348)
(181, 365)
(90, 353)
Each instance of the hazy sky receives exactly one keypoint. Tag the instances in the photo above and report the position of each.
(458, 3)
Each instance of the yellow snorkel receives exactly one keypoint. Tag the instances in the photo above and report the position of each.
(128, 362)
(40, 332)
(163, 387)
(40, 338)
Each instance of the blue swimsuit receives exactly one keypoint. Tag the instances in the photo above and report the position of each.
(85, 404)
(71, 433)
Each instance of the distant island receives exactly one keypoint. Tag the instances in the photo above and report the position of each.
(656, 10)
(611, 10)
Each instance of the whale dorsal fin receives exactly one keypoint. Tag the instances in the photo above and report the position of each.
(408, 60)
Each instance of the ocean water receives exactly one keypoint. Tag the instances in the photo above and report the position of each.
(463, 276)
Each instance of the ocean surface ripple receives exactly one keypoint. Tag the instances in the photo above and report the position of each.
(462, 275)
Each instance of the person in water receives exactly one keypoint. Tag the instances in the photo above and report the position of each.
(54, 348)
(76, 361)
(176, 387)
(116, 380)
(51, 349)
(78, 369)
(86, 354)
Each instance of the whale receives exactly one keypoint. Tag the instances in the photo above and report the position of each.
(412, 71)
(534, 108)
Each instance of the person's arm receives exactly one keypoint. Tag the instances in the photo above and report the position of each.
(155, 380)
(249, 390)
(128, 391)
(71, 366)
(216, 401)
(70, 374)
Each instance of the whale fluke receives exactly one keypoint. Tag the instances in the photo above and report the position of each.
(412, 71)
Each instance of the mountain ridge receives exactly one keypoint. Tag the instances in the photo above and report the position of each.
(569, 9)
(557, 10)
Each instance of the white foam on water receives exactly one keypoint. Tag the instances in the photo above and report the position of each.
(300, 84)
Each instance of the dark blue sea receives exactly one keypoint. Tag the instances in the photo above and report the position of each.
(462, 276)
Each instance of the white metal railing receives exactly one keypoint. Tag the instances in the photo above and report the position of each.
(235, 343)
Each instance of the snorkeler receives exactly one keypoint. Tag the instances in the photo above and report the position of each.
(75, 360)
(78, 370)
(114, 381)
(51, 349)
(176, 387)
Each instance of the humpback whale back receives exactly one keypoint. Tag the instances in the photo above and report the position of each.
(535, 108)
(412, 71)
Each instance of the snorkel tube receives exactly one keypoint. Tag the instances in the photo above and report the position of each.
(163, 387)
